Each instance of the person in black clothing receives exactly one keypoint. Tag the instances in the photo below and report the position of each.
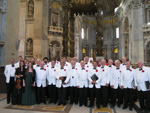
(20, 73)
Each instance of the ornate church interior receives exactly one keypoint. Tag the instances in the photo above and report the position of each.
(94, 28)
(109, 29)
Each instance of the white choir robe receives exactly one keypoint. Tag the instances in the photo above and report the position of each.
(9, 72)
(41, 75)
(51, 72)
(57, 64)
(17, 65)
(116, 77)
(82, 80)
(78, 65)
(96, 71)
(62, 73)
(122, 65)
(67, 65)
(141, 77)
(35, 68)
(88, 65)
(105, 75)
(110, 70)
(73, 73)
(46, 66)
(128, 79)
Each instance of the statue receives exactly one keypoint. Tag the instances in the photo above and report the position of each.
(29, 47)
(30, 8)
(54, 50)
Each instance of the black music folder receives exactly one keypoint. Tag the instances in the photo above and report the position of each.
(94, 77)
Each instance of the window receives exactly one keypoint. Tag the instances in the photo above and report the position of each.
(116, 9)
(117, 32)
(82, 33)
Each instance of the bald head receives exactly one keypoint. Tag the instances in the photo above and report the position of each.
(62, 63)
(103, 62)
(75, 58)
(73, 62)
(42, 64)
(38, 61)
(140, 64)
(124, 59)
(82, 64)
(86, 59)
(117, 63)
(110, 62)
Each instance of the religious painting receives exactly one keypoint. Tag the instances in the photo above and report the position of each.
(29, 47)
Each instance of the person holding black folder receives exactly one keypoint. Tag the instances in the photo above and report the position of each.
(62, 80)
(94, 77)
(143, 85)
(128, 83)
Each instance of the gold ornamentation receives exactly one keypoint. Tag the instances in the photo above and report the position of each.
(55, 5)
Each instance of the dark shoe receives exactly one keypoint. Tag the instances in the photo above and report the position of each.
(59, 104)
(90, 105)
(76, 103)
(98, 106)
(80, 105)
(124, 107)
(104, 105)
(119, 105)
(71, 103)
(50, 102)
(130, 108)
(85, 105)
(55, 102)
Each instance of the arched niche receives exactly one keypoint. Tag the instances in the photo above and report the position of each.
(55, 14)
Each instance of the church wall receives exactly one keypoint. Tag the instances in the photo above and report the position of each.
(12, 30)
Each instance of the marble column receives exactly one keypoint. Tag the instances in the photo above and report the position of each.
(22, 29)
(65, 27)
(71, 36)
(137, 47)
(3, 30)
(45, 21)
(99, 41)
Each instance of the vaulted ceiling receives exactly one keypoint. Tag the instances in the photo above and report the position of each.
(90, 6)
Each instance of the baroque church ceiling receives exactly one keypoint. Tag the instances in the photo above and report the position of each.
(90, 6)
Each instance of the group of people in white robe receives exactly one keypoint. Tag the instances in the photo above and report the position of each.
(76, 82)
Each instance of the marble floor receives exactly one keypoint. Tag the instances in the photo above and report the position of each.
(7, 108)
